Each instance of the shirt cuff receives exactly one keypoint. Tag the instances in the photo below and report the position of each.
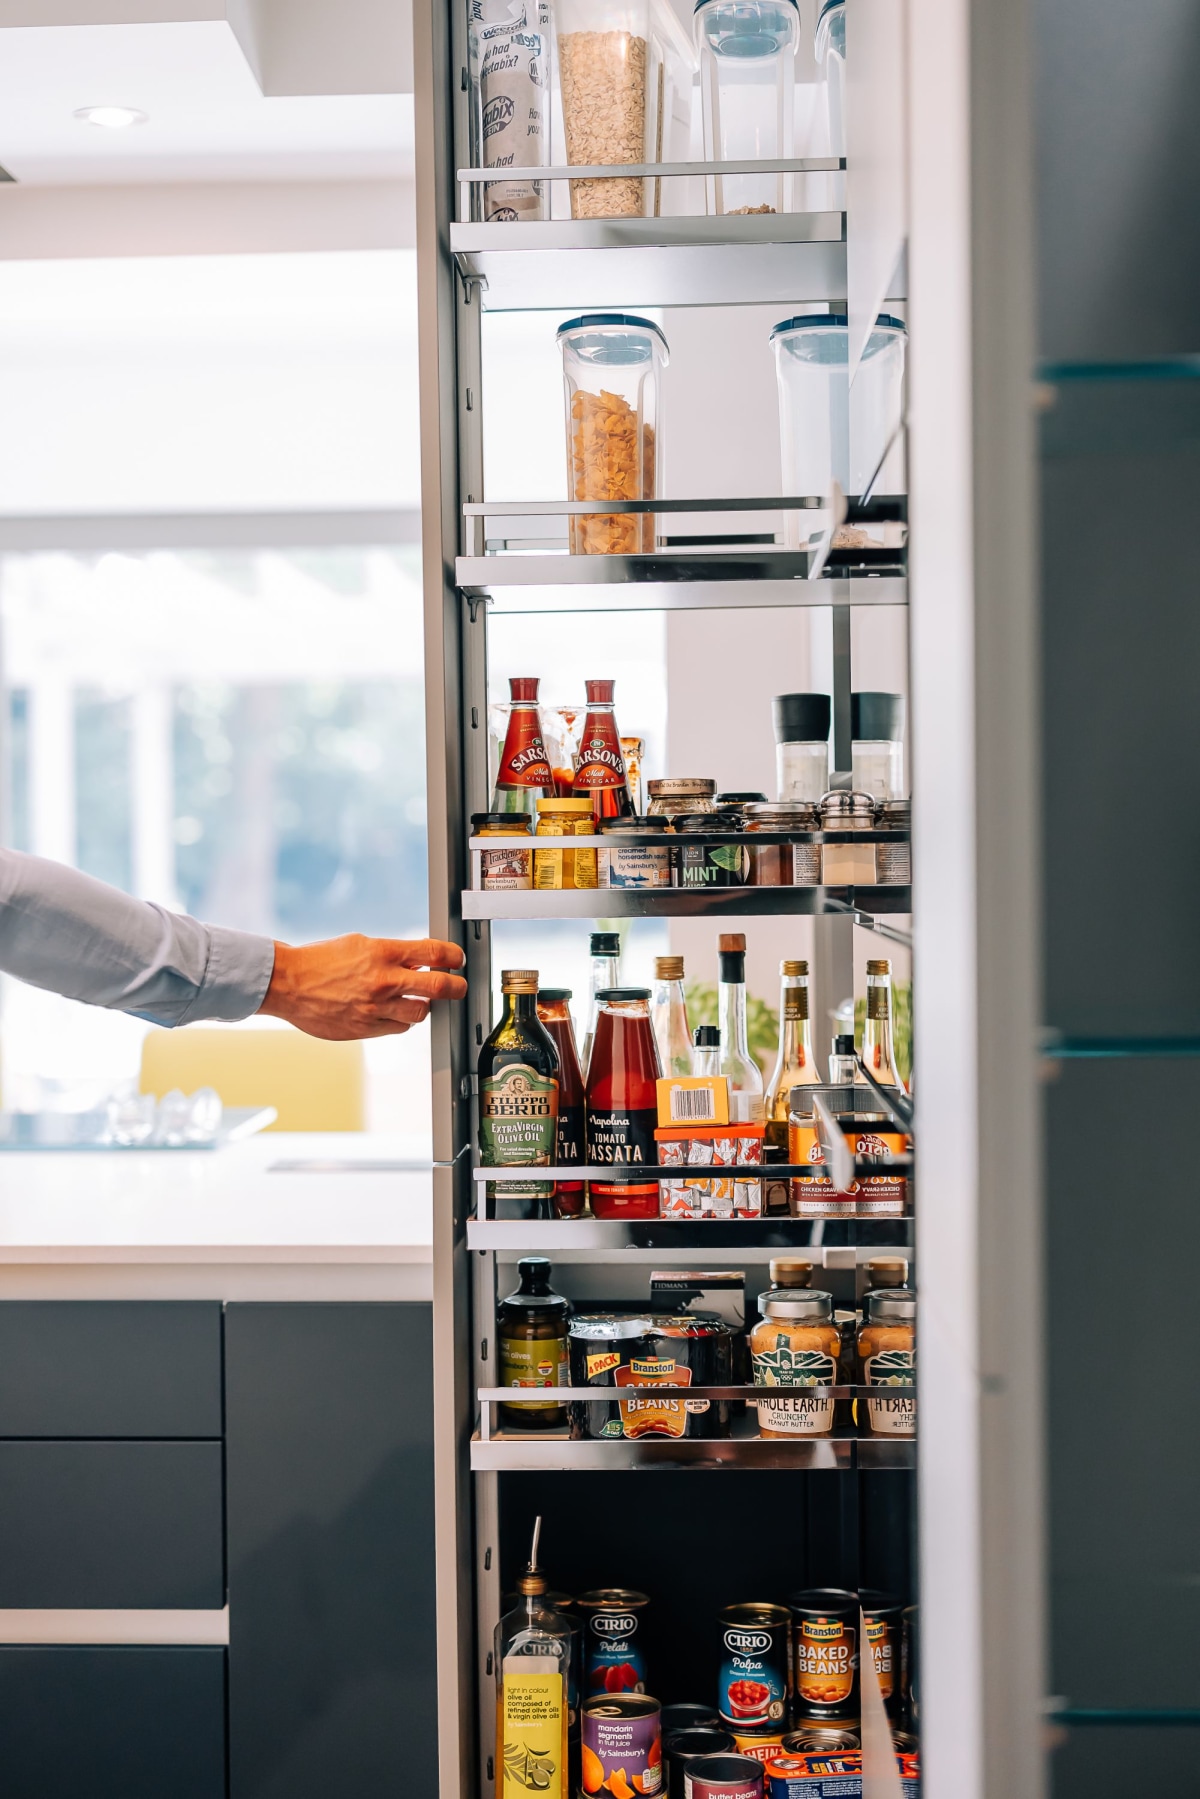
(236, 976)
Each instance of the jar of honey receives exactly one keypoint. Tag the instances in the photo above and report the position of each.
(795, 1345)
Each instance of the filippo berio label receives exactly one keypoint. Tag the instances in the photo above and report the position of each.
(518, 1124)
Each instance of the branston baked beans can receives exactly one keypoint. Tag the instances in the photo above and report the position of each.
(621, 1750)
(883, 1619)
(723, 1777)
(824, 1654)
(752, 1684)
(613, 1658)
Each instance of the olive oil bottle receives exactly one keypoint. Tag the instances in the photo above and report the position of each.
(531, 1336)
(533, 1664)
(518, 1100)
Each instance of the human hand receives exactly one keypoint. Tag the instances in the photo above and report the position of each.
(357, 986)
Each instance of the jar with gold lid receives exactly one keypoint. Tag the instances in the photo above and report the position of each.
(677, 794)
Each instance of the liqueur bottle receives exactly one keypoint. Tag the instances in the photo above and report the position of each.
(622, 1105)
(531, 1337)
(525, 776)
(600, 771)
(605, 948)
(746, 1104)
(795, 1065)
(518, 1100)
(554, 1010)
(668, 1014)
(532, 1661)
(877, 1051)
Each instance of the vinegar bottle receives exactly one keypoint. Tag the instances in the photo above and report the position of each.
(524, 777)
(600, 772)
(532, 1660)
(668, 1014)
(737, 1064)
(877, 1050)
(795, 1065)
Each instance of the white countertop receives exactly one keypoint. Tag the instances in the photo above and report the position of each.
(311, 1215)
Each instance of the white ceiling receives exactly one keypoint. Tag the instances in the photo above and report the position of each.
(208, 120)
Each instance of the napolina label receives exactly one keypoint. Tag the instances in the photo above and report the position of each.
(625, 1138)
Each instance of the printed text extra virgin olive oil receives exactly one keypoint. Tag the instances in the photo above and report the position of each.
(518, 1100)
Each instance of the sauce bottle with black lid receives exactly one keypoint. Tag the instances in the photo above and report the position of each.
(531, 1345)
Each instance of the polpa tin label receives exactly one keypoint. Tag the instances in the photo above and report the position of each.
(614, 1659)
(752, 1685)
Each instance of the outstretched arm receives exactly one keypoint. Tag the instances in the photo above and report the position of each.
(63, 930)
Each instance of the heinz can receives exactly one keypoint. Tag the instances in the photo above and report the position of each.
(613, 1658)
(824, 1654)
(759, 1745)
(814, 1774)
(723, 1777)
(622, 1740)
(752, 1685)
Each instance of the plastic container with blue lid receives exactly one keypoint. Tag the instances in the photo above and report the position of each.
(747, 86)
(819, 444)
(612, 369)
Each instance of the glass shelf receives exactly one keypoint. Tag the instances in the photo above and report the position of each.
(682, 902)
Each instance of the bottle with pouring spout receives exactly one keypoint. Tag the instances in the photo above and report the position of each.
(533, 1665)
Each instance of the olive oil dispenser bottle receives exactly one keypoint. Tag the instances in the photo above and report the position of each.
(533, 1668)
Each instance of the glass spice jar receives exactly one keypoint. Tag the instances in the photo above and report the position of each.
(784, 864)
(893, 860)
(847, 864)
(703, 865)
(678, 794)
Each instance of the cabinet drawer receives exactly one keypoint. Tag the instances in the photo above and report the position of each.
(112, 1723)
(102, 1369)
(112, 1525)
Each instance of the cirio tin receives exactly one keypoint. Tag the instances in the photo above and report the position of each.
(613, 1658)
(621, 1740)
(723, 1777)
(752, 1682)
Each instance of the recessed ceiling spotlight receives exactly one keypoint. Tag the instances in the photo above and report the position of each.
(111, 118)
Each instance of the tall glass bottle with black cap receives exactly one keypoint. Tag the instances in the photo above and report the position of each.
(518, 1100)
(605, 949)
(746, 1104)
(801, 723)
(877, 744)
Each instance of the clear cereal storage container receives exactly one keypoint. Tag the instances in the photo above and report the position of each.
(612, 365)
(747, 89)
(814, 413)
(604, 76)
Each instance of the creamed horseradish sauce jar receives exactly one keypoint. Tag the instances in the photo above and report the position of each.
(824, 1654)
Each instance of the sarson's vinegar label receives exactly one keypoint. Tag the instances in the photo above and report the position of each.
(518, 1119)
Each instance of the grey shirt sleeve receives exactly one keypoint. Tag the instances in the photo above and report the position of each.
(63, 930)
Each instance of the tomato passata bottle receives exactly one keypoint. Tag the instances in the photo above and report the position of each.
(622, 1103)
